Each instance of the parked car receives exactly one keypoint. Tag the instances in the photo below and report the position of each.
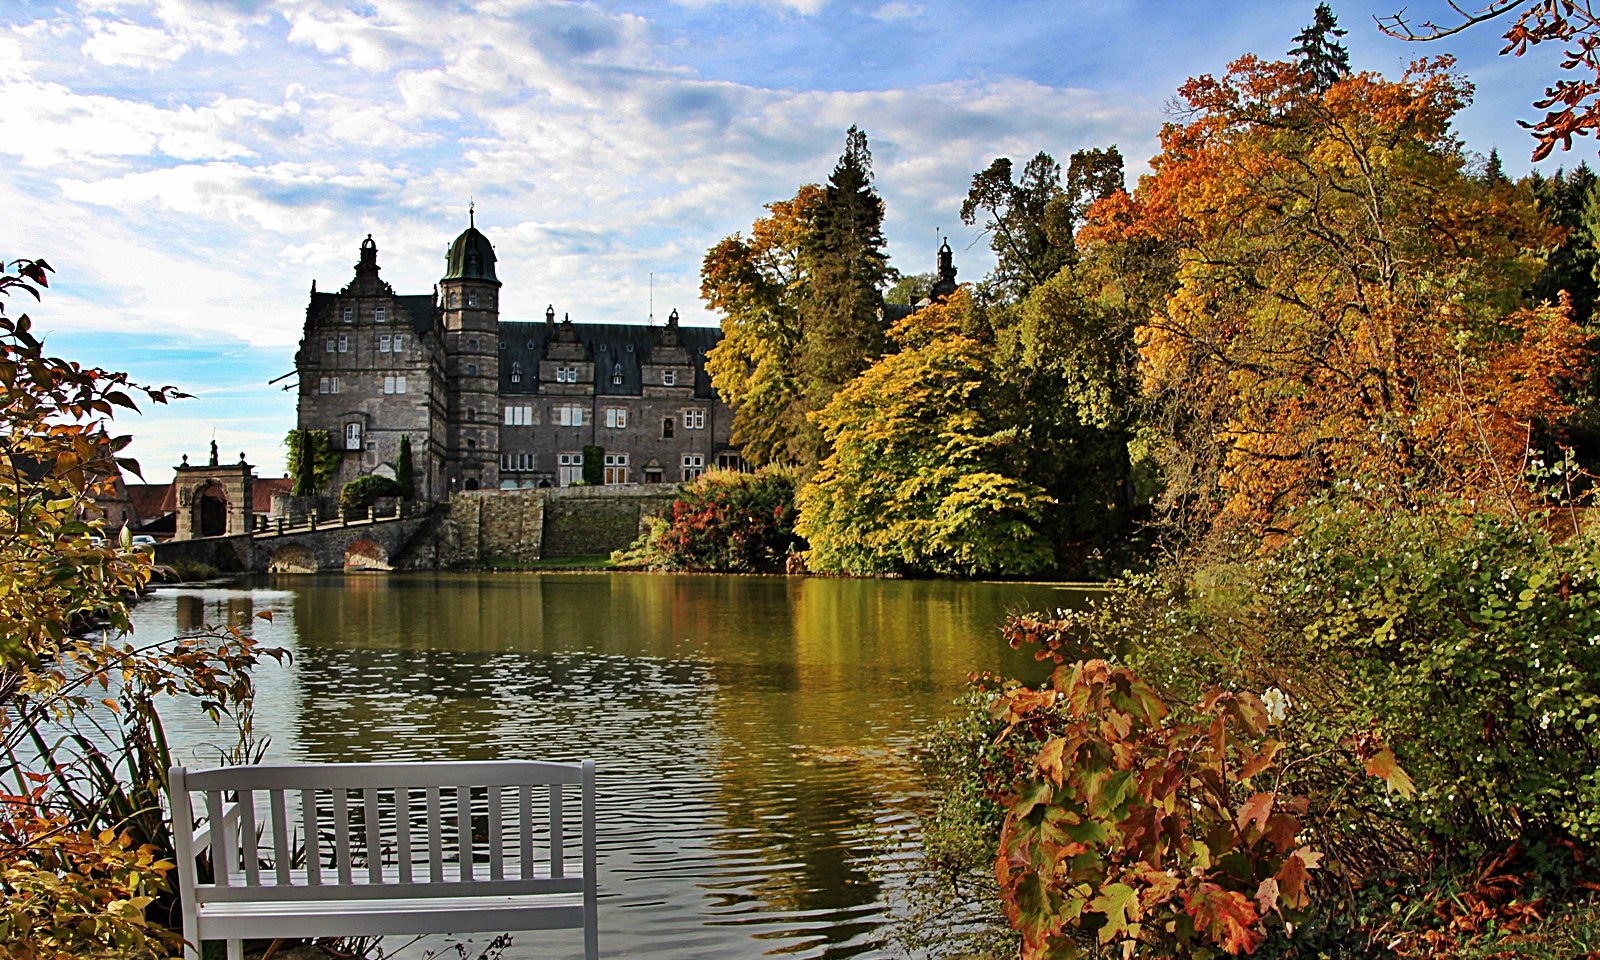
(144, 543)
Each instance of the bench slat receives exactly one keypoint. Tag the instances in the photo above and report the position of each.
(497, 860)
(341, 833)
(247, 835)
(219, 844)
(308, 818)
(280, 836)
(525, 828)
(360, 889)
(464, 832)
(374, 830)
(558, 846)
(435, 838)
(348, 918)
(402, 816)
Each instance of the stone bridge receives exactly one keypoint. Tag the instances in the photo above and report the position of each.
(387, 543)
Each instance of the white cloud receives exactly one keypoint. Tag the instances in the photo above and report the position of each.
(898, 10)
(123, 44)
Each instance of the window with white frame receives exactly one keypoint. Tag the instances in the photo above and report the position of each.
(349, 315)
(569, 468)
(566, 374)
(694, 464)
(328, 385)
(516, 462)
(516, 373)
(472, 298)
(331, 344)
(669, 378)
(384, 340)
(616, 417)
(517, 416)
(567, 414)
(380, 315)
(694, 419)
(616, 468)
(399, 342)
(352, 436)
(344, 343)
(394, 383)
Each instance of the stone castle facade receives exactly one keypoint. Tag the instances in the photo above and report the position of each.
(498, 404)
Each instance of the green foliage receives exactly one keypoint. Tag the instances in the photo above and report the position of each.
(363, 492)
(594, 465)
(83, 842)
(313, 460)
(924, 473)
(405, 469)
(1317, 52)
(724, 522)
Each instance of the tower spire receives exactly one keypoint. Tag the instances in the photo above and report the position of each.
(472, 206)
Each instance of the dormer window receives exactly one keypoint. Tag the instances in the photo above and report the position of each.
(516, 373)
(669, 378)
(616, 374)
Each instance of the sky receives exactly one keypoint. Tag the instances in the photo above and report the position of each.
(190, 167)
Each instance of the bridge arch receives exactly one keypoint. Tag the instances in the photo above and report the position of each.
(292, 558)
(364, 554)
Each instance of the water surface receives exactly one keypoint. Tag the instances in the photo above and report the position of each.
(753, 734)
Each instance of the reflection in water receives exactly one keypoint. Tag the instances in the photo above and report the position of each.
(752, 733)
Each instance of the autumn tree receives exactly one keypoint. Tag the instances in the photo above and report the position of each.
(924, 471)
(757, 283)
(1571, 105)
(1347, 298)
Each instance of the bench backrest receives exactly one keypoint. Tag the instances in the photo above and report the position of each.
(378, 830)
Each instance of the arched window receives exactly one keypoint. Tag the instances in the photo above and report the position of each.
(352, 436)
(616, 374)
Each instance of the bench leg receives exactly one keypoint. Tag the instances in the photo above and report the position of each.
(235, 950)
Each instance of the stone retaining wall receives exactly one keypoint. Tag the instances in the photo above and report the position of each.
(521, 526)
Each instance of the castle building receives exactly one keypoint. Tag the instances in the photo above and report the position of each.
(488, 403)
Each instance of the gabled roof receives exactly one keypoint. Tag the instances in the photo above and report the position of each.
(618, 349)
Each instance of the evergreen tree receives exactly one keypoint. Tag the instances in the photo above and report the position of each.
(404, 471)
(842, 325)
(1494, 171)
(1324, 59)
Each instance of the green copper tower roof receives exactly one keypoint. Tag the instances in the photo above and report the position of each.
(471, 256)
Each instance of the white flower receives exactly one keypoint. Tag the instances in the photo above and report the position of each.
(1277, 703)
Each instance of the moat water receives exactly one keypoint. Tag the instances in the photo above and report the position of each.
(755, 737)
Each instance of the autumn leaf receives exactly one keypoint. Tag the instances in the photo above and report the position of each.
(1120, 904)
(1255, 811)
(1293, 876)
(1228, 917)
(1385, 767)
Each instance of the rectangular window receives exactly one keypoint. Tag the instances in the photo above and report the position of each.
(616, 468)
(352, 436)
(694, 464)
(729, 461)
(472, 299)
(349, 314)
(566, 374)
(399, 342)
(344, 343)
(568, 415)
(394, 384)
(519, 416)
(569, 468)
(328, 385)
(669, 378)
(380, 315)
(383, 342)
(694, 419)
(616, 417)
(667, 423)
(331, 344)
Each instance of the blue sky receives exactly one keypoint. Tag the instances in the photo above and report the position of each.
(190, 166)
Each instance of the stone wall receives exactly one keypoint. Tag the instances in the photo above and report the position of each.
(593, 521)
(520, 526)
(235, 554)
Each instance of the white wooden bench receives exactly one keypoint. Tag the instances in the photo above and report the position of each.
(388, 848)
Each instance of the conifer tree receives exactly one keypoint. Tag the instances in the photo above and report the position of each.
(1324, 59)
(842, 325)
(404, 470)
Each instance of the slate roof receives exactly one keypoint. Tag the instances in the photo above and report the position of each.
(609, 345)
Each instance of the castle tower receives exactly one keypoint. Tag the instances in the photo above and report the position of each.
(470, 295)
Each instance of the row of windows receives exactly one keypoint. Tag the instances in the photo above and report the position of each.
(379, 314)
(391, 384)
(387, 343)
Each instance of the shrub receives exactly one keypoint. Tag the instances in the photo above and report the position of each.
(723, 521)
(363, 492)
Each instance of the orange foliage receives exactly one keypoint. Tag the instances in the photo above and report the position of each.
(1347, 298)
